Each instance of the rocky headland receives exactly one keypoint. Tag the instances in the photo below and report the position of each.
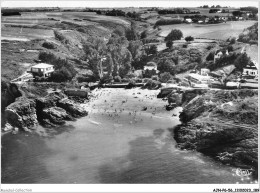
(54, 109)
(222, 124)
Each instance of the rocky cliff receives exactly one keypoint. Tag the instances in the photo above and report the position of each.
(222, 124)
(51, 110)
(22, 114)
(9, 92)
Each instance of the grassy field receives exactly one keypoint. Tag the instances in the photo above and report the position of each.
(215, 31)
(34, 25)
(25, 33)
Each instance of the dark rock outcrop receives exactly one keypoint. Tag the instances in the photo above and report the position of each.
(9, 92)
(55, 115)
(45, 111)
(77, 92)
(152, 85)
(52, 110)
(175, 98)
(72, 108)
(164, 92)
(49, 101)
(22, 114)
(222, 124)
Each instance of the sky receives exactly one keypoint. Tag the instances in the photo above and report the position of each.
(127, 3)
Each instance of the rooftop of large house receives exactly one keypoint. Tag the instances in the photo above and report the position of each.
(151, 64)
(42, 65)
(255, 64)
(221, 50)
(199, 77)
(252, 67)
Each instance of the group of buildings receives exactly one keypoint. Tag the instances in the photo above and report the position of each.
(202, 78)
(217, 78)
(216, 19)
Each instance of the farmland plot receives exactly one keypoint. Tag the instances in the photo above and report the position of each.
(28, 25)
(215, 31)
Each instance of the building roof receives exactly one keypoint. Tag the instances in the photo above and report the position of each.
(199, 77)
(250, 67)
(218, 51)
(42, 65)
(150, 68)
(151, 64)
(256, 64)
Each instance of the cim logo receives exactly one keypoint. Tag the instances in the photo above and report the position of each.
(243, 172)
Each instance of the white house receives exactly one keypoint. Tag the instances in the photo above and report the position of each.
(204, 71)
(188, 20)
(251, 70)
(218, 54)
(42, 69)
(150, 66)
(206, 20)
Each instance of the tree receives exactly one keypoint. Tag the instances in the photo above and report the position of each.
(125, 66)
(48, 45)
(166, 65)
(135, 47)
(232, 41)
(164, 77)
(237, 13)
(242, 61)
(119, 31)
(210, 56)
(121, 57)
(151, 49)
(95, 53)
(61, 75)
(230, 48)
(108, 64)
(175, 34)
(169, 44)
(189, 38)
(131, 33)
(144, 34)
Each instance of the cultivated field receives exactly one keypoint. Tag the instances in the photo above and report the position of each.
(213, 31)
(33, 25)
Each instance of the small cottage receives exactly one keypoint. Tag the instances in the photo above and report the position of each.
(150, 66)
(204, 71)
(150, 69)
(189, 20)
(219, 53)
(251, 70)
(42, 70)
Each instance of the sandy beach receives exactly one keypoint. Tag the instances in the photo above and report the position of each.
(133, 102)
